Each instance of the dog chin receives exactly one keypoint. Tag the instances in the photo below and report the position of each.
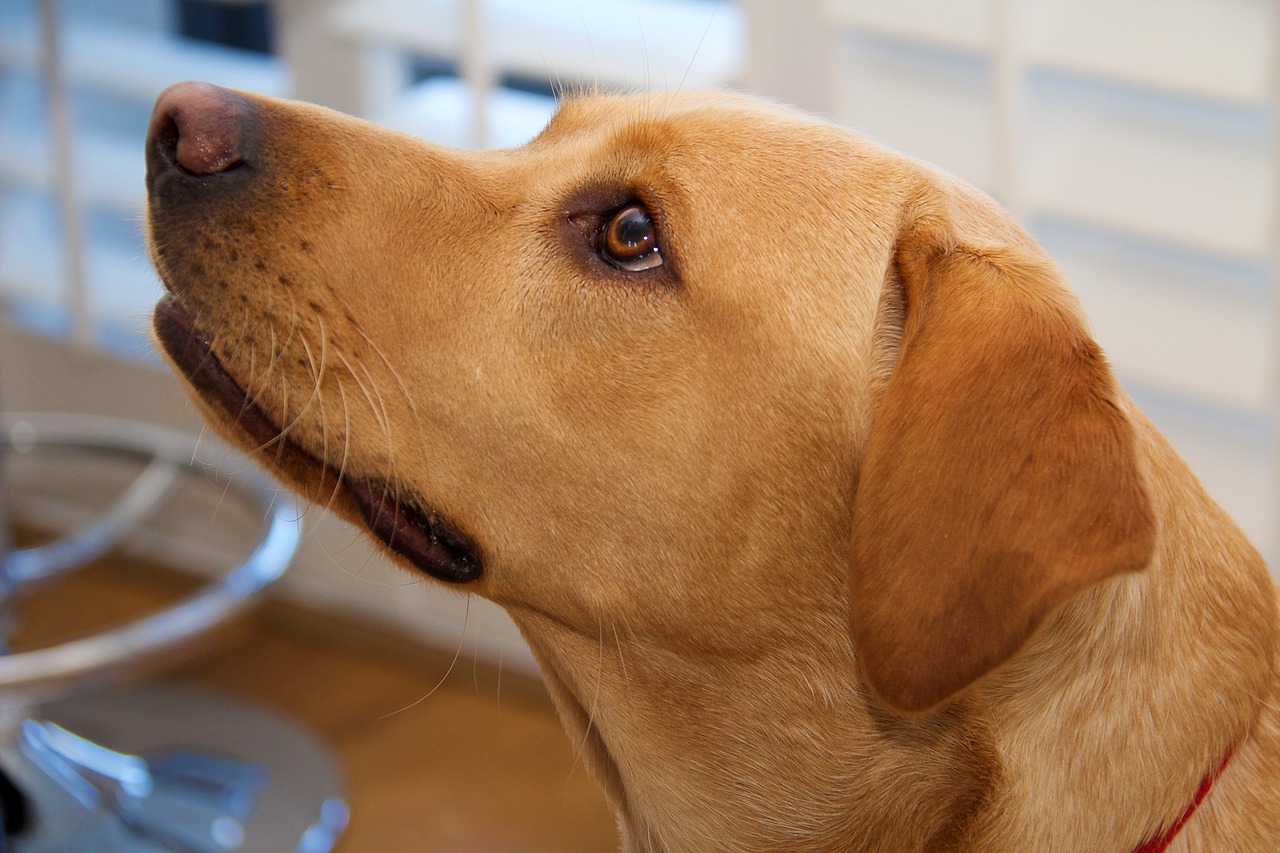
(394, 516)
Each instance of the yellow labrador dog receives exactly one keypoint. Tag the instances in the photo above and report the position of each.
(792, 459)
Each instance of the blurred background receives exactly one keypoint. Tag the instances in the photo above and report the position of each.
(1136, 138)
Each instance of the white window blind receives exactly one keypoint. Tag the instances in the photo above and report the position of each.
(355, 55)
(114, 56)
(560, 44)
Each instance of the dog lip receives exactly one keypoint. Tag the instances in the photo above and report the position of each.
(190, 350)
(432, 544)
(423, 537)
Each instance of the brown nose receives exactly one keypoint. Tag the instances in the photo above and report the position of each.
(200, 130)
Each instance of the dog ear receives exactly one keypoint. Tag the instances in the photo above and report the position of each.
(1000, 478)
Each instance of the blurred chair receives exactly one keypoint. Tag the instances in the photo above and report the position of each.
(168, 769)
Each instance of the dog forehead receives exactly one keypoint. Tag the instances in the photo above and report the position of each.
(721, 152)
(697, 124)
(580, 112)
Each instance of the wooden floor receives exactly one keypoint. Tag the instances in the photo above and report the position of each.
(478, 765)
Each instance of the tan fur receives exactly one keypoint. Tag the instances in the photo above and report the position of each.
(850, 373)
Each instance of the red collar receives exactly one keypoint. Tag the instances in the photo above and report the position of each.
(1161, 842)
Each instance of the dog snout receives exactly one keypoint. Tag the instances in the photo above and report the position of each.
(200, 132)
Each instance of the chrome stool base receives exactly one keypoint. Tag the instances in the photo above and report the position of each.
(252, 781)
(150, 769)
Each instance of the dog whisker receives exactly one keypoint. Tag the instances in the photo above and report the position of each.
(711, 19)
(316, 367)
(370, 389)
(294, 322)
(466, 616)
(497, 691)
(580, 750)
(558, 85)
(346, 447)
(475, 658)
(226, 489)
(195, 451)
(369, 561)
(622, 662)
(285, 429)
(316, 398)
(279, 440)
(390, 367)
(373, 397)
(250, 357)
(276, 354)
(300, 511)
(644, 50)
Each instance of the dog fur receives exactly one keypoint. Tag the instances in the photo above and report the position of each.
(832, 533)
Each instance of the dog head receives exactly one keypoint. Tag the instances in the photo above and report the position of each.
(689, 370)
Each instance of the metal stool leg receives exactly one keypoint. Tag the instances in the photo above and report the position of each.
(167, 769)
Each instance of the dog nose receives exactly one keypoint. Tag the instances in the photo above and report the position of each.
(201, 130)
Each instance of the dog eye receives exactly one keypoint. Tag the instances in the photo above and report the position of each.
(629, 240)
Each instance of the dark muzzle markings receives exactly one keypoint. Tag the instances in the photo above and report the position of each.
(203, 149)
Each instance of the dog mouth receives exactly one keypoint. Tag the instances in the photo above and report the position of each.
(429, 541)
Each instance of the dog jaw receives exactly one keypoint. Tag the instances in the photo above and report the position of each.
(430, 543)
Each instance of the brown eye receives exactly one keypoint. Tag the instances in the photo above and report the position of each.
(629, 240)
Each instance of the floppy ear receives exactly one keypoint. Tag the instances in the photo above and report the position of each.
(1000, 476)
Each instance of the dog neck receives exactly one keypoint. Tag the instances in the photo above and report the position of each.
(761, 751)
(1161, 843)
(770, 742)
(1138, 688)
